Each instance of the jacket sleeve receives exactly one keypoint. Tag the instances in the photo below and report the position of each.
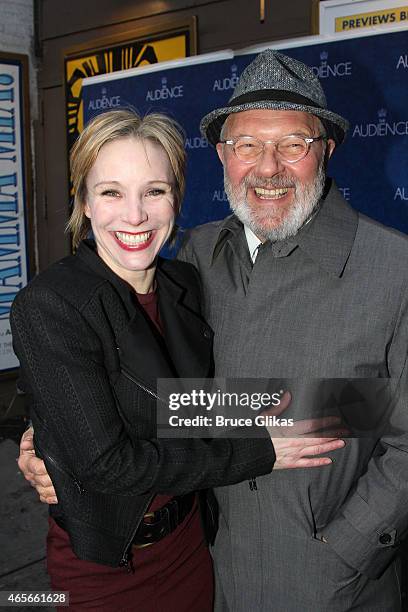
(75, 412)
(371, 523)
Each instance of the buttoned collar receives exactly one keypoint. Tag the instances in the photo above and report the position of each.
(327, 239)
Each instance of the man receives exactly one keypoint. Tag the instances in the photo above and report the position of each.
(298, 284)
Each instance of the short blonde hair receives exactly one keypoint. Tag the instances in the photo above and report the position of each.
(121, 124)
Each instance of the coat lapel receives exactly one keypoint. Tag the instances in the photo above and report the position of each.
(142, 353)
(188, 337)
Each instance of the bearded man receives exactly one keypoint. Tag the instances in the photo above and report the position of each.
(297, 284)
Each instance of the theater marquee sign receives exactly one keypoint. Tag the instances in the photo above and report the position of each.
(15, 168)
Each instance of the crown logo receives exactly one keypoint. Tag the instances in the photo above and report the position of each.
(382, 113)
(104, 91)
(324, 55)
(233, 68)
(164, 81)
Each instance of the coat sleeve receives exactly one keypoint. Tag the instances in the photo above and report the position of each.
(186, 250)
(74, 411)
(370, 525)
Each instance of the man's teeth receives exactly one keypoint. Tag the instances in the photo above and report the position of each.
(270, 193)
(133, 239)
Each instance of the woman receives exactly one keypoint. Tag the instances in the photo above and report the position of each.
(93, 333)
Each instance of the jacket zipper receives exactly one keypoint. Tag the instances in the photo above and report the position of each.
(126, 555)
(141, 385)
(77, 483)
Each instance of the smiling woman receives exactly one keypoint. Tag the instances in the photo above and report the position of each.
(131, 207)
(154, 131)
(93, 334)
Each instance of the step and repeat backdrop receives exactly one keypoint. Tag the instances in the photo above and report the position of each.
(365, 80)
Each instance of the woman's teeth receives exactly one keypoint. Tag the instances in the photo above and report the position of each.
(133, 239)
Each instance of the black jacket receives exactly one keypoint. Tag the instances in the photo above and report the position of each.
(89, 358)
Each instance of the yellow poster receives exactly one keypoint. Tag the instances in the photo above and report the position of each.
(373, 19)
(130, 54)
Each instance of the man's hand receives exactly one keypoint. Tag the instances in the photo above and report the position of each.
(34, 470)
(296, 452)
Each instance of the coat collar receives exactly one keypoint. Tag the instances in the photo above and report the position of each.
(327, 239)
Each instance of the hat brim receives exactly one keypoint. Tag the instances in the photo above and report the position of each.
(211, 125)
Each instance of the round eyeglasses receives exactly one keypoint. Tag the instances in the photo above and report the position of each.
(290, 148)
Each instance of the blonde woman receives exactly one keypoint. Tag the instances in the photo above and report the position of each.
(93, 333)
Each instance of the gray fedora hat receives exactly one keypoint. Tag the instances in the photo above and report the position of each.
(277, 82)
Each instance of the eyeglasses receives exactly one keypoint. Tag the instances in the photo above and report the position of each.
(290, 148)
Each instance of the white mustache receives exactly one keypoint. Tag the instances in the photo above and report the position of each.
(275, 183)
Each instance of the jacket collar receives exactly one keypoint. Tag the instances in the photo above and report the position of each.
(188, 337)
(184, 351)
(87, 253)
(327, 239)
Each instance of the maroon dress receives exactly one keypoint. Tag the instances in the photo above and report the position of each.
(172, 575)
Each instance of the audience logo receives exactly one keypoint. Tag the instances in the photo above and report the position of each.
(401, 193)
(326, 70)
(229, 82)
(105, 102)
(219, 195)
(385, 126)
(402, 62)
(165, 92)
(346, 193)
(196, 142)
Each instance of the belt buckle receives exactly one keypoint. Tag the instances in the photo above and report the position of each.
(147, 515)
(171, 518)
(138, 546)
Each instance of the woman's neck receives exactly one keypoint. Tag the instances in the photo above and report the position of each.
(142, 281)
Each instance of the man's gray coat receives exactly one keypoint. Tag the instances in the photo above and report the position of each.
(331, 302)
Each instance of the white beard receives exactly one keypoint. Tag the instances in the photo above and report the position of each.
(306, 198)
